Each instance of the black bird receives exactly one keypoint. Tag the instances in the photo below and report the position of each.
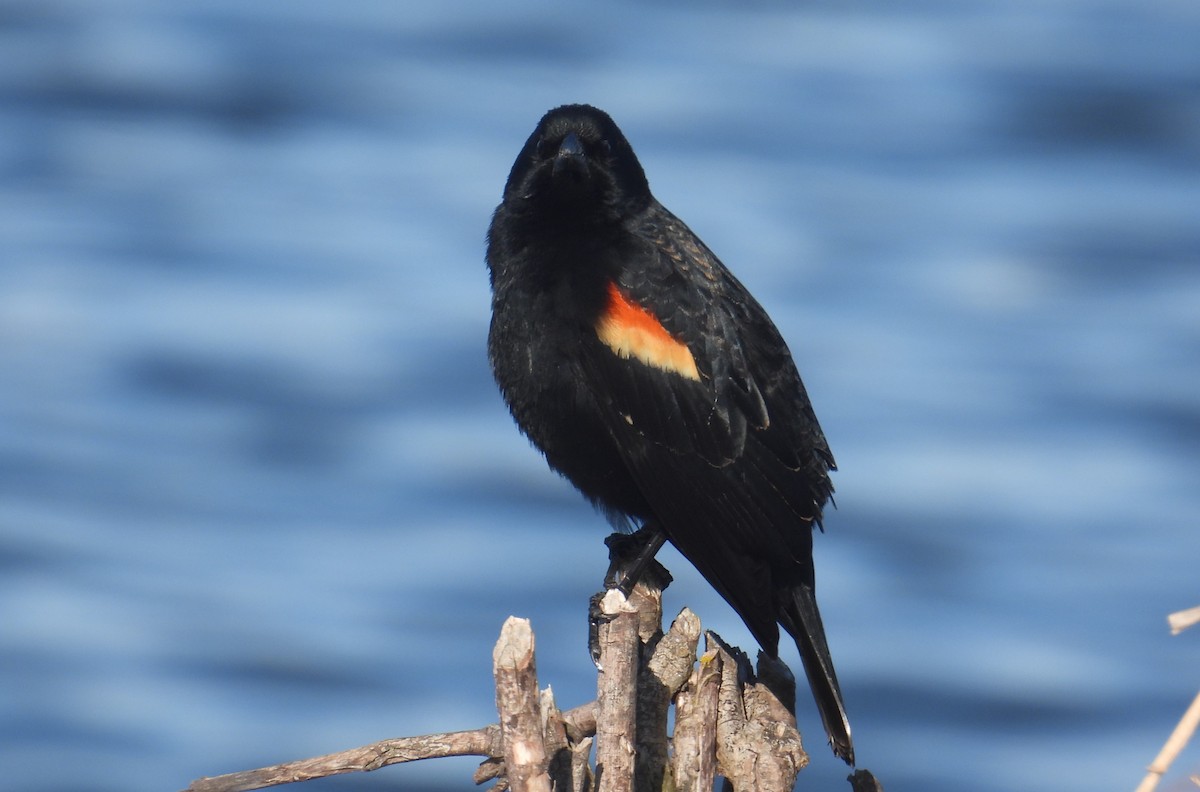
(653, 380)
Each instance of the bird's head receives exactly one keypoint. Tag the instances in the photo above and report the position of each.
(577, 160)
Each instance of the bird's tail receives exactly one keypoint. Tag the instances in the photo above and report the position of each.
(802, 619)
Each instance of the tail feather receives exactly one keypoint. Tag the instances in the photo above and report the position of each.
(802, 619)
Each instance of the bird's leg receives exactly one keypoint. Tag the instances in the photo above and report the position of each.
(631, 561)
(630, 556)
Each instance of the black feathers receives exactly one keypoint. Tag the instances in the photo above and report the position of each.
(651, 378)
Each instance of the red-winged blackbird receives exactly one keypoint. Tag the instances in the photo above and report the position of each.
(653, 381)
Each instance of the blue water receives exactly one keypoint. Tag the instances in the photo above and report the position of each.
(260, 500)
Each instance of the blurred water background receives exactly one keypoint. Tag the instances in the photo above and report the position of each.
(260, 500)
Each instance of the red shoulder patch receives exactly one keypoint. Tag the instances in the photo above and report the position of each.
(631, 331)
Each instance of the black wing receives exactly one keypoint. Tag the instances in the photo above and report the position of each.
(748, 385)
(733, 462)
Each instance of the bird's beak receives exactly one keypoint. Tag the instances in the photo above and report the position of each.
(570, 157)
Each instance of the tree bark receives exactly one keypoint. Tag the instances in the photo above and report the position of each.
(729, 720)
(616, 694)
(515, 670)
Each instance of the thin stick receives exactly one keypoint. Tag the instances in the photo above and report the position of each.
(478, 742)
(515, 669)
(559, 749)
(1175, 743)
(615, 694)
(1181, 620)
(758, 746)
(659, 680)
(695, 742)
(580, 722)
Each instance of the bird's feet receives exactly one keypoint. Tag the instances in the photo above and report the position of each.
(630, 556)
(631, 561)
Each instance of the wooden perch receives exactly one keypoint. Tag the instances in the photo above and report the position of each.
(730, 720)
(695, 761)
(616, 713)
(758, 746)
(659, 682)
(476, 742)
(1181, 620)
(1175, 743)
(517, 701)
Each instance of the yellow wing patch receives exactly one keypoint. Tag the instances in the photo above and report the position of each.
(631, 331)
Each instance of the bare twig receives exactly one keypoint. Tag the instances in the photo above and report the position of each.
(695, 742)
(673, 658)
(557, 745)
(758, 746)
(479, 742)
(660, 678)
(488, 769)
(727, 719)
(1181, 620)
(1175, 743)
(581, 768)
(579, 722)
(616, 693)
(515, 669)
